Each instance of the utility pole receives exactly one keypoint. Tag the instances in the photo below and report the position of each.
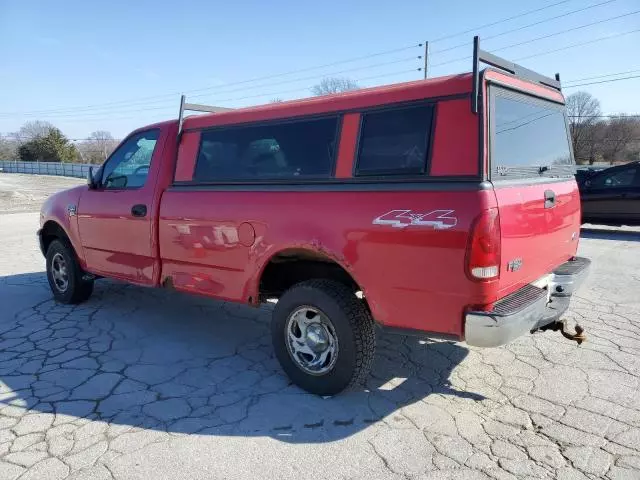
(426, 59)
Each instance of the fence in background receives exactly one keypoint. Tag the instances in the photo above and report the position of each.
(78, 170)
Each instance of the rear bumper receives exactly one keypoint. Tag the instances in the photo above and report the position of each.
(526, 309)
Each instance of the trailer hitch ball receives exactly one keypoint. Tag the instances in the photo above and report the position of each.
(561, 325)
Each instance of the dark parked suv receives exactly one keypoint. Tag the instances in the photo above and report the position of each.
(611, 196)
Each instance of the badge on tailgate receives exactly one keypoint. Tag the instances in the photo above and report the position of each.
(514, 265)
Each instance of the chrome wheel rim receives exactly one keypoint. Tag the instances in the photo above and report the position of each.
(59, 273)
(311, 340)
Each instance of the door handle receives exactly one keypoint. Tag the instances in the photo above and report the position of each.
(549, 199)
(139, 210)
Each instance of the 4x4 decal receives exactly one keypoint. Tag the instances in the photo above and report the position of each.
(438, 219)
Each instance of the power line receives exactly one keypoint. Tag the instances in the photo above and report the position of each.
(117, 109)
(539, 22)
(486, 25)
(619, 140)
(580, 44)
(307, 88)
(601, 76)
(16, 136)
(270, 94)
(603, 81)
(72, 112)
(156, 98)
(243, 82)
(567, 31)
(546, 52)
(83, 116)
(623, 115)
(315, 77)
(70, 139)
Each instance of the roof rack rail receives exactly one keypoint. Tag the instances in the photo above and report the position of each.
(513, 68)
(195, 107)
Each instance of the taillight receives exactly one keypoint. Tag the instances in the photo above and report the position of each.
(483, 250)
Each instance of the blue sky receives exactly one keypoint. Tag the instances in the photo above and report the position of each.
(68, 62)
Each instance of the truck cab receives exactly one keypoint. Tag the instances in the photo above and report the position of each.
(443, 208)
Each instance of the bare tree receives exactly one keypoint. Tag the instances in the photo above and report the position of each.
(97, 147)
(584, 110)
(592, 141)
(8, 149)
(331, 85)
(620, 131)
(632, 150)
(276, 100)
(33, 130)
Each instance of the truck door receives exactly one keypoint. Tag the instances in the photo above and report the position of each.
(115, 219)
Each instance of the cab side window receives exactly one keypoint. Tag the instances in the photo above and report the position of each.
(395, 141)
(272, 151)
(128, 166)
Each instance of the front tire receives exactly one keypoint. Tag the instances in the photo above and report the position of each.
(65, 275)
(323, 336)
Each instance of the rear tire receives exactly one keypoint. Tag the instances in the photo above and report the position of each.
(65, 275)
(323, 336)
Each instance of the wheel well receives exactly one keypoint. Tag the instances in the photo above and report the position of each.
(297, 265)
(50, 232)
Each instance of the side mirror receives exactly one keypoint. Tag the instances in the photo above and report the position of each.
(90, 180)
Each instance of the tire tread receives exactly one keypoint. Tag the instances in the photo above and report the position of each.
(360, 320)
(81, 289)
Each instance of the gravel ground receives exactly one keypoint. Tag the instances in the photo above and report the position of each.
(145, 384)
(25, 193)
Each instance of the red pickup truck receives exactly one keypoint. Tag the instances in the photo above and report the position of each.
(445, 207)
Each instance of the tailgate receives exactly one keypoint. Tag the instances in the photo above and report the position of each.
(536, 239)
(537, 196)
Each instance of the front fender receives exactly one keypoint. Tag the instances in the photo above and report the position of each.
(61, 209)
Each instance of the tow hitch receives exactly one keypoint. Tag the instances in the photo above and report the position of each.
(561, 325)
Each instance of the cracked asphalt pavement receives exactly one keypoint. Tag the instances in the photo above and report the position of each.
(148, 384)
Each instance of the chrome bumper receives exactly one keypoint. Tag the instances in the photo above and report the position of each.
(526, 309)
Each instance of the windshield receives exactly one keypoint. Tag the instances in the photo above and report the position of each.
(529, 137)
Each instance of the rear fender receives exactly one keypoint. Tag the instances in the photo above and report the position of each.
(252, 288)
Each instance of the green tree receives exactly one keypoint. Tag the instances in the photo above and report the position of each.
(50, 147)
